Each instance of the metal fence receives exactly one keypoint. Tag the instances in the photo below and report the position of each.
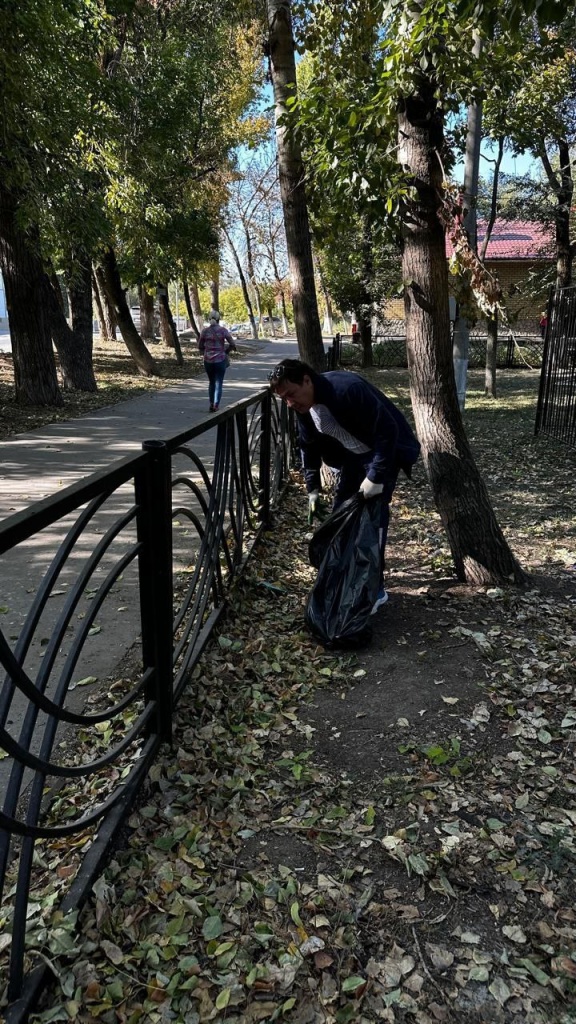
(138, 556)
(514, 350)
(556, 410)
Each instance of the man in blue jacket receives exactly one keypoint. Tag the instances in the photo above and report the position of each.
(347, 423)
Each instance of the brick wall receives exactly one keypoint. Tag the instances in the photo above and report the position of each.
(510, 274)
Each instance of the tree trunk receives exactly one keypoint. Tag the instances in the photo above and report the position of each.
(99, 307)
(365, 331)
(196, 305)
(165, 326)
(480, 552)
(74, 350)
(328, 327)
(367, 304)
(292, 190)
(242, 276)
(147, 332)
(214, 286)
(35, 378)
(108, 325)
(189, 309)
(491, 352)
(562, 185)
(461, 336)
(252, 316)
(168, 326)
(117, 299)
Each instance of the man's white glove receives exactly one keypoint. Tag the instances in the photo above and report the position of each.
(369, 489)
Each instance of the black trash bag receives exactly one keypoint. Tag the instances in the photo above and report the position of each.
(346, 551)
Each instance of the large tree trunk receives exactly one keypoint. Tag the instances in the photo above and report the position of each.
(108, 323)
(192, 315)
(168, 326)
(74, 350)
(480, 552)
(35, 378)
(292, 190)
(117, 298)
(365, 331)
(165, 326)
(147, 332)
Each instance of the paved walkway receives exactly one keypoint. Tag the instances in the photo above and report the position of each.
(41, 462)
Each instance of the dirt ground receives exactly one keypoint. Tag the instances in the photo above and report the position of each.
(383, 835)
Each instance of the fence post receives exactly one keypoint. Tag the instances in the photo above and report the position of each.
(265, 454)
(510, 351)
(337, 346)
(545, 369)
(154, 499)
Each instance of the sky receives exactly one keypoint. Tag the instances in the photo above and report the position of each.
(524, 164)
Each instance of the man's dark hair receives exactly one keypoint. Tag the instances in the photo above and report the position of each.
(291, 370)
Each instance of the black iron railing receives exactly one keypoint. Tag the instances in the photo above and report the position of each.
(514, 351)
(123, 576)
(556, 411)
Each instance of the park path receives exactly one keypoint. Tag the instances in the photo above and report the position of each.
(39, 463)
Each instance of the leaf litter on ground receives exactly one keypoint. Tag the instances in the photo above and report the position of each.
(271, 872)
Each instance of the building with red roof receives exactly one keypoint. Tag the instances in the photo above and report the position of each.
(515, 241)
(516, 248)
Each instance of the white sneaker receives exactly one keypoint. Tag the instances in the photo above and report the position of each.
(380, 600)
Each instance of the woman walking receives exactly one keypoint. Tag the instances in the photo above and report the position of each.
(215, 342)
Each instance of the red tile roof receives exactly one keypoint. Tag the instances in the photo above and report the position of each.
(515, 240)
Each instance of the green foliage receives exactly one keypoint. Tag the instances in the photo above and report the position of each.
(232, 305)
(366, 59)
(118, 121)
(534, 101)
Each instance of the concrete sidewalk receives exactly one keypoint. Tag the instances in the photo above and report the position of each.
(41, 462)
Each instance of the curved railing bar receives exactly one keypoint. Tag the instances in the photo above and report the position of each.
(210, 543)
(44, 591)
(20, 828)
(43, 703)
(249, 435)
(30, 718)
(26, 732)
(76, 593)
(95, 605)
(191, 485)
(188, 453)
(198, 568)
(35, 831)
(38, 764)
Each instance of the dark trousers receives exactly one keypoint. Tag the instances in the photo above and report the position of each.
(215, 372)
(350, 476)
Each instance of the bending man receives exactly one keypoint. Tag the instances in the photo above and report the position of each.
(352, 427)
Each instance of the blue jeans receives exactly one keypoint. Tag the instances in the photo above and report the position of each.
(215, 372)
